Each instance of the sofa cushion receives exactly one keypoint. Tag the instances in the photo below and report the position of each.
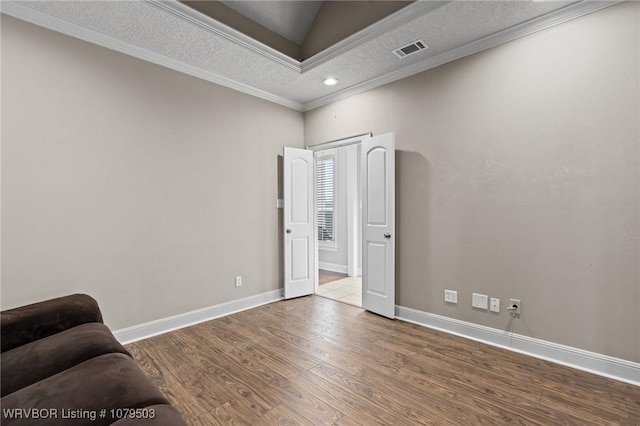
(45, 357)
(32, 322)
(111, 381)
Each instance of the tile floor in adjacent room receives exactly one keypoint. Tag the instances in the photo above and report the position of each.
(347, 290)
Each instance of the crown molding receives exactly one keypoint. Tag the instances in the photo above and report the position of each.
(207, 23)
(401, 17)
(551, 19)
(177, 9)
(53, 23)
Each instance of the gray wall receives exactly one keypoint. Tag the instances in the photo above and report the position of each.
(518, 176)
(146, 188)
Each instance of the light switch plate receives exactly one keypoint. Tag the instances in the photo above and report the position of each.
(451, 296)
(480, 301)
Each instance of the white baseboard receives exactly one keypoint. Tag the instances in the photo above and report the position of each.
(333, 267)
(603, 365)
(164, 325)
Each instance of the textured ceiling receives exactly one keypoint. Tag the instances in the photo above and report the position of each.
(171, 34)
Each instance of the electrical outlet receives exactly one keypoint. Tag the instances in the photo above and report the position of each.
(495, 305)
(238, 281)
(515, 306)
(480, 301)
(451, 296)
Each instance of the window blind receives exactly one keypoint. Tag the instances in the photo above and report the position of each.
(325, 185)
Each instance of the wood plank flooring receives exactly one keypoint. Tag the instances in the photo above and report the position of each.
(314, 361)
(326, 277)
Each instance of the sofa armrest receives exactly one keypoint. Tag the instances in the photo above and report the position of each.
(38, 320)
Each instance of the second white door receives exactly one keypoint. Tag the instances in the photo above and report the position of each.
(378, 224)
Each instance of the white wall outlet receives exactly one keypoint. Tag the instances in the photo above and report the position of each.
(238, 281)
(451, 296)
(480, 301)
(494, 305)
(515, 306)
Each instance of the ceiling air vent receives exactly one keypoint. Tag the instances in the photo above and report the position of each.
(410, 49)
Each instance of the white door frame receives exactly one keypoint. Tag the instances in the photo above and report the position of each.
(354, 214)
(353, 210)
(384, 305)
(351, 140)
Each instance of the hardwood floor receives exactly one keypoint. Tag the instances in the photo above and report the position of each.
(326, 277)
(314, 361)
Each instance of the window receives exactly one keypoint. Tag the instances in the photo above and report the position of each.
(325, 197)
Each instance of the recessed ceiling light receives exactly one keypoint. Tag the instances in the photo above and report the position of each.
(330, 81)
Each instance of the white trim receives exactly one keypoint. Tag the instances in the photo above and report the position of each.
(353, 209)
(603, 365)
(389, 23)
(25, 13)
(333, 267)
(175, 322)
(338, 143)
(549, 20)
(44, 20)
(207, 23)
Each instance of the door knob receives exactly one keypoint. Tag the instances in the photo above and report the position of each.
(288, 231)
(387, 235)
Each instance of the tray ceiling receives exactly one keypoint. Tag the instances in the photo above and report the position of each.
(171, 34)
(291, 19)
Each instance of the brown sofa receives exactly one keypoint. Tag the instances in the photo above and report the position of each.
(60, 365)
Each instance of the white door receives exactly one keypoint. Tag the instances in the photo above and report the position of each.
(300, 269)
(378, 225)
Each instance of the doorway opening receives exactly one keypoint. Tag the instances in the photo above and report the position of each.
(345, 289)
(375, 216)
(338, 217)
